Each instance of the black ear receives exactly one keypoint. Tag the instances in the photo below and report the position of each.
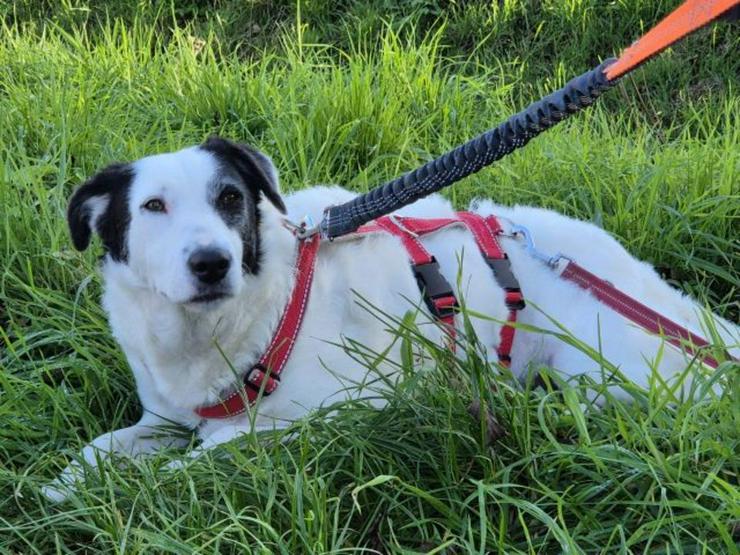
(255, 168)
(101, 204)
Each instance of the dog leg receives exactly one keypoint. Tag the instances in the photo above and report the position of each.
(146, 436)
(220, 435)
(223, 435)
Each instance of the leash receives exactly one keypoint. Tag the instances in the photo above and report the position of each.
(518, 130)
(684, 20)
(642, 315)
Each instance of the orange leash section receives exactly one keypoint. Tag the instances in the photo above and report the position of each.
(687, 18)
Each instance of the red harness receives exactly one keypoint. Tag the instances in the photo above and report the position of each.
(438, 293)
(264, 377)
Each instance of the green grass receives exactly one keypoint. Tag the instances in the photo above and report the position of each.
(357, 96)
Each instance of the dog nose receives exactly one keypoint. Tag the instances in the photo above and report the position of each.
(209, 265)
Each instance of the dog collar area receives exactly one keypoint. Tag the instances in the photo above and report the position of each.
(263, 378)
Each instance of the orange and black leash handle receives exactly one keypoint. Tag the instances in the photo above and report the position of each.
(518, 130)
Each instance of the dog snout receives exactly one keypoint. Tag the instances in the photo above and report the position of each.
(209, 265)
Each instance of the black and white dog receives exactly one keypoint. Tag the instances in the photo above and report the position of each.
(199, 267)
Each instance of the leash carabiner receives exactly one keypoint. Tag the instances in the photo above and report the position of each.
(523, 232)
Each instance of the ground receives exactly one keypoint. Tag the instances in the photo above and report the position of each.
(356, 92)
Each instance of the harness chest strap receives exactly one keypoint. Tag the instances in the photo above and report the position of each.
(265, 375)
(438, 293)
(486, 232)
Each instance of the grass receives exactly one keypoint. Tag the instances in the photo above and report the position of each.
(357, 96)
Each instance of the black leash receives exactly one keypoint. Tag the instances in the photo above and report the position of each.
(469, 158)
(518, 130)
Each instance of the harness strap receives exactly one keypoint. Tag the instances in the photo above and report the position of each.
(265, 375)
(426, 269)
(485, 232)
(437, 291)
(412, 226)
(637, 312)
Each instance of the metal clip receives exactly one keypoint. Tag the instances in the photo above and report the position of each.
(551, 261)
(302, 230)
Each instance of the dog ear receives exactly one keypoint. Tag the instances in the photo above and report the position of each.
(255, 168)
(100, 204)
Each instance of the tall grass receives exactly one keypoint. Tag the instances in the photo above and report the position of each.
(657, 165)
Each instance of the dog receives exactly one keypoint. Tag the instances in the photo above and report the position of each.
(199, 265)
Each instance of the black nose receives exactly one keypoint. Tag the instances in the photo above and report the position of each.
(209, 265)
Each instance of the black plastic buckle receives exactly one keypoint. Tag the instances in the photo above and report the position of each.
(444, 307)
(433, 286)
(505, 277)
(256, 385)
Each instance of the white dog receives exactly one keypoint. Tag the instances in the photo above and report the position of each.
(199, 267)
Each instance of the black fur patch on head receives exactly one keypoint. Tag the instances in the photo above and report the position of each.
(253, 167)
(239, 213)
(110, 186)
(256, 173)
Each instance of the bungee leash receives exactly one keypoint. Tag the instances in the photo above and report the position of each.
(518, 130)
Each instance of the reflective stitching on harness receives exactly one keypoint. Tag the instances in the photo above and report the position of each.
(294, 335)
(473, 224)
(585, 284)
(653, 322)
(259, 373)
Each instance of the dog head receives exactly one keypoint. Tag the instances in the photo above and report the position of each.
(186, 223)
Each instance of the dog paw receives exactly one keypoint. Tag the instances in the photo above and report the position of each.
(176, 464)
(60, 489)
(56, 492)
(64, 486)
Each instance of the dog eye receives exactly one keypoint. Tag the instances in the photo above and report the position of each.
(154, 205)
(229, 197)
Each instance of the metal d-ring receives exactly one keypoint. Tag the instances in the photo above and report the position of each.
(302, 230)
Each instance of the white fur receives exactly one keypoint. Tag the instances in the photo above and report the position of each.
(172, 347)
